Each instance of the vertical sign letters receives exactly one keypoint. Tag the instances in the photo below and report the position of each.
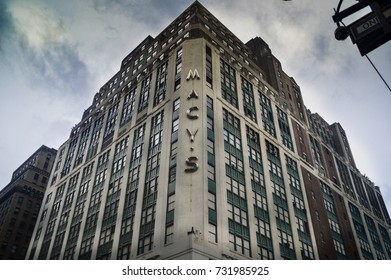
(191, 113)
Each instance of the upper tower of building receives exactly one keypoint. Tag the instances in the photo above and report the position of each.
(289, 94)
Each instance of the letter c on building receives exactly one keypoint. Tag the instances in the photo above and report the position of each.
(190, 115)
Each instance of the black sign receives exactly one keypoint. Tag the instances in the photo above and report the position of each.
(372, 30)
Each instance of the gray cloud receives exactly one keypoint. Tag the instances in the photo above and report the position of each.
(56, 65)
(149, 12)
(6, 26)
(40, 52)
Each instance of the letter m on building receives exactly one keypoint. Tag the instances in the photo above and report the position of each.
(193, 75)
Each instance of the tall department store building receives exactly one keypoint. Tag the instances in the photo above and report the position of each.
(201, 147)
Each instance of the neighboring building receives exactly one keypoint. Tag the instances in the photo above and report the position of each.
(20, 202)
(200, 147)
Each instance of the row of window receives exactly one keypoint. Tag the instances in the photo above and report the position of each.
(145, 242)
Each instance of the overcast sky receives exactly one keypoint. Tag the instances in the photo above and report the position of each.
(55, 55)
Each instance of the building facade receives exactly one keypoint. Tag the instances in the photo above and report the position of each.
(20, 202)
(200, 147)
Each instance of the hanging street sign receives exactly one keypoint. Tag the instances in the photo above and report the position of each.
(372, 30)
(364, 26)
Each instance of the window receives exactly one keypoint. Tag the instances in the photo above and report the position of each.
(209, 73)
(69, 199)
(306, 251)
(114, 187)
(169, 234)
(175, 125)
(170, 203)
(93, 148)
(272, 150)
(228, 83)
(90, 222)
(209, 123)
(100, 177)
(211, 201)
(231, 120)
(285, 239)
(329, 206)
(334, 226)
(340, 248)
(161, 81)
(107, 235)
(239, 244)
(236, 187)
(263, 229)
(156, 134)
(284, 129)
(233, 163)
(254, 155)
(48, 198)
(281, 214)
(82, 146)
(294, 182)
(128, 108)
(172, 174)
(267, 115)
(265, 254)
(248, 100)
(137, 144)
(232, 139)
(145, 244)
(178, 69)
(209, 103)
(298, 202)
(144, 94)
(110, 210)
(111, 119)
(237, 215)
(86, 245)
(275, 169)
(174, 149)
(177, 104)
(257, 179)
(212, 233)
(124, 252)
(260, 201)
